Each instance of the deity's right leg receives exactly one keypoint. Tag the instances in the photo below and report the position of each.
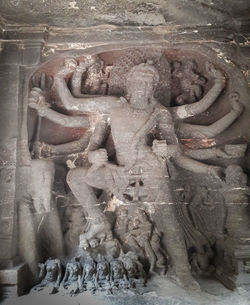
(82, 188)
(81, 184)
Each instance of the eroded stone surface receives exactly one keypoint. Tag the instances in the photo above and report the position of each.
(85, 13)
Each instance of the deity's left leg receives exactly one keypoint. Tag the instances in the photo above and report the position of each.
(166, 222)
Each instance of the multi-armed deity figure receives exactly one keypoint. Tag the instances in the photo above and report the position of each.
(138, 173)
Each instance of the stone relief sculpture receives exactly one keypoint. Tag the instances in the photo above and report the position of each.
(131, 144)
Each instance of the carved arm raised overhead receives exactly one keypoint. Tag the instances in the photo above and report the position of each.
(199, 131)
(37, 101)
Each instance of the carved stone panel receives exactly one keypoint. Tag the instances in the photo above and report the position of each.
(136, 167)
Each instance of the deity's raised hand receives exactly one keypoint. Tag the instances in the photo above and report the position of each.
(42, 150)
(37, 101)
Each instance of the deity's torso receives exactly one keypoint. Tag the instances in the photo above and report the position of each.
(126, 122)
(140, 169)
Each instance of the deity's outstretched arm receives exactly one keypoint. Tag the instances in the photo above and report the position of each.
(186, 111)
(65, 120)
(49, 150)
(37, 101)
(161, 149)
(167, 149)
(72, 147)
(88, 104)
(205, 154)
(196, 166)
(199, 131)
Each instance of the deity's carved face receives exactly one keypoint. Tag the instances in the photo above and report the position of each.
(141, 83)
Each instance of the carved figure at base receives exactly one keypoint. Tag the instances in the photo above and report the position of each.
(141, 230)
(88, 279)
(72, 277)
(96, 231)
(134, 269)
(50, 275)
(102, 280)
(118, 275)
(161, 255)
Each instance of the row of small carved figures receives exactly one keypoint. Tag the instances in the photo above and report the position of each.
(82, 274)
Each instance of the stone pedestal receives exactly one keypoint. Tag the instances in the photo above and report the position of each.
(240, 267)
(242, 257)
(15, 281)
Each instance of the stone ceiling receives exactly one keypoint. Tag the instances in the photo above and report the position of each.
(84, 13)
